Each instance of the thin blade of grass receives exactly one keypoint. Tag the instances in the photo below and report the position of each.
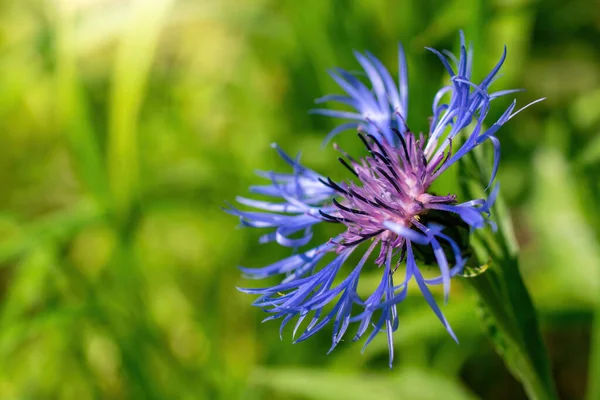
(132, 66)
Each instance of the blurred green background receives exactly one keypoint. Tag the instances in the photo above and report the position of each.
(127, 124)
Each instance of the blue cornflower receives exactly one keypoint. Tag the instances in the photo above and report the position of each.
(387, 211)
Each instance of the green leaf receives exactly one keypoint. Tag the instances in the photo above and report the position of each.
(409, 383)
(508, 312)
(511, 322)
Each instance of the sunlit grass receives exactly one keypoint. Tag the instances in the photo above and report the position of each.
(126, 125)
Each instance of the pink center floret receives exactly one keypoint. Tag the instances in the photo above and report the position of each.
(394, 188)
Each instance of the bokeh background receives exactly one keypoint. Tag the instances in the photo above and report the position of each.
(126, 125)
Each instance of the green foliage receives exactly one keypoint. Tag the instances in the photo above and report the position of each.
(506, 308)
(409, 383)
(127, 124)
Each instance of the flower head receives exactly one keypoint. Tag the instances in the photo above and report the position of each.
(387, 211)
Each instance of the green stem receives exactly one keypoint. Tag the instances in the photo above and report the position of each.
(513, 327)
(593, 392)
(509, 313)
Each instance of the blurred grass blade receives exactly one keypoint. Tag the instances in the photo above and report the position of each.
(58, 227)
(565, 230)
(563, 223)
(74, 117)
(132, 66)
(563, 227)
(593, 390)
(508, 311)
(409, 383)
(589, 154)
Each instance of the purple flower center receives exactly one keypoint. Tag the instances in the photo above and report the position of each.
(393, 189)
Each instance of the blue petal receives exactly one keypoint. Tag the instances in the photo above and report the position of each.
(406, 232)
(443, 60)
(339, 98)
(310, 257)
(376, 81)
(390, 88)
(337, 114)
(470, 215)
(427, 293)
(337, 130)
(486, 81)
(442, 261)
